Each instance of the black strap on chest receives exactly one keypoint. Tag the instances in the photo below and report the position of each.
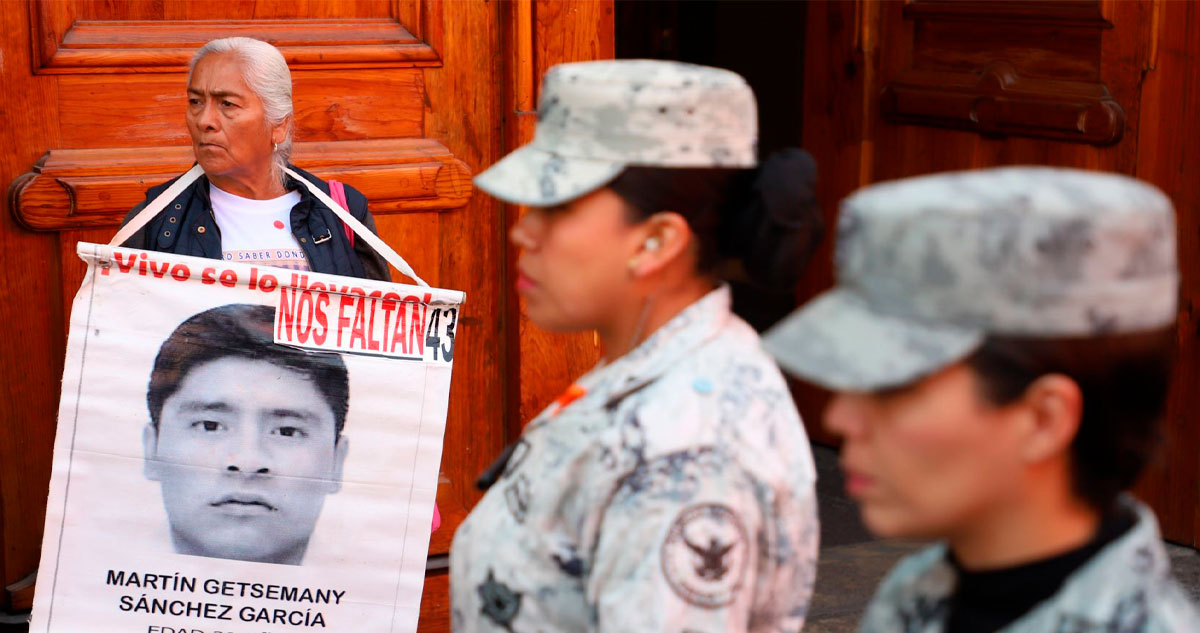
(493, 473)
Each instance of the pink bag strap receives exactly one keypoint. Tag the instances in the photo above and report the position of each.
(360, 229)
(337, 191)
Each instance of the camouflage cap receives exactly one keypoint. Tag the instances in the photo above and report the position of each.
(597, 118)
(928, 267)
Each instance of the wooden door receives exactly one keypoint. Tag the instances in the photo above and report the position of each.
(403, 99)
(894, 89)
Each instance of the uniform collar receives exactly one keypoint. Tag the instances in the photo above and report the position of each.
(1118, 572)
(1114, 583)
(686, 331)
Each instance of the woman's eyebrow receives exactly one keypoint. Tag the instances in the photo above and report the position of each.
(214, 93)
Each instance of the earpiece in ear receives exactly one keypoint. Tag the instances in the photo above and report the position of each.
(651, 244)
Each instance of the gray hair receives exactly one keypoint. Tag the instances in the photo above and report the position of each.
(266, 72)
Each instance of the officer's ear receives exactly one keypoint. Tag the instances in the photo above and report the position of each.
(662, 238)
(1053, 406)
(151, 467)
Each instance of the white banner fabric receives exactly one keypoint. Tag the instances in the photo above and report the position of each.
(243, 449)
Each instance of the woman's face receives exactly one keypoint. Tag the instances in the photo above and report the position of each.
(927, 460)
(574, 265)
(230, 135)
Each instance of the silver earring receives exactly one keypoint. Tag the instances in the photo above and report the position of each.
(652, 244)
(276, 148)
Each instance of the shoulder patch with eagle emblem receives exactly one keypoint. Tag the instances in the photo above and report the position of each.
(705, 554)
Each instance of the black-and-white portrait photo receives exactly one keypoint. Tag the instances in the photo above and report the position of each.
(206, 464)
(245, 436)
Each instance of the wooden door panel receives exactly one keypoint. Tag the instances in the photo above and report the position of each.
(435, 603)
(1007, 70)
(148, 110)
(120, 131)
(409, 236)
(282, 10)
(403, 99)
(93, 188)
(463, 111)
(544, 34)
(32, 308)
(89, 36)
(1170, 157)
(897, 89)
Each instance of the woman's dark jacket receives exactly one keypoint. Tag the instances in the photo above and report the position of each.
(187, 226)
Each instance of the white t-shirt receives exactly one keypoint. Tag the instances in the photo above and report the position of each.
(258, 231)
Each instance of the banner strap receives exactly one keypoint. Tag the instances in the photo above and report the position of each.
(192, 175)
(156, 205)
(361, 230)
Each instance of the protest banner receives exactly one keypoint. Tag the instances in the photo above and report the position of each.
(243, 449)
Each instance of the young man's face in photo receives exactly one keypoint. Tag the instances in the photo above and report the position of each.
(245, 451)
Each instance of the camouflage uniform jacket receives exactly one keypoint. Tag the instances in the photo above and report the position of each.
(1125, 588)
(675, 494)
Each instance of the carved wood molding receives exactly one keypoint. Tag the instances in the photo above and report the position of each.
(1022, 67)
(20, 593)
(90, 188)
(1060, 12)
(62, 44)
(1000, 102)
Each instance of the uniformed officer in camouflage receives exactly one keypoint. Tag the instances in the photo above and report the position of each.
(947, 282)
(671, 488)
(597, 118)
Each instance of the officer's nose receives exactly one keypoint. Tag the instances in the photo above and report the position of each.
(846, 416)
(527, 232)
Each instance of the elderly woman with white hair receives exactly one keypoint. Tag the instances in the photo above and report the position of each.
(247, 206)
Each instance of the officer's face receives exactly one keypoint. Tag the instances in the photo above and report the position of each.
(574, 265)
(930, 460)
(246, 452)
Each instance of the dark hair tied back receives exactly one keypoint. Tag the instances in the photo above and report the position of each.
(777, 227)
(767, 217)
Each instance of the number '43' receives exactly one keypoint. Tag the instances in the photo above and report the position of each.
(435, 335)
